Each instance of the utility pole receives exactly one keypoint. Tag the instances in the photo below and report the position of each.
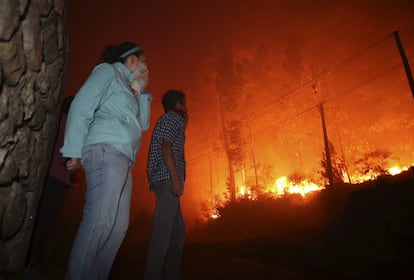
(405, 62)
(232, 184)
(211, 183)
(253, 157)
(325, 137)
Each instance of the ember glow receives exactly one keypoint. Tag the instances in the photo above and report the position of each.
(251, 91)
(245, 192)
(283, 187)
(372, 175)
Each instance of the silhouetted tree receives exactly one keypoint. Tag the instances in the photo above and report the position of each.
(265, 177)
(236, 143)
(374, 162)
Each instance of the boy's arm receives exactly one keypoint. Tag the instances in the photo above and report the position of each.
(168, 157)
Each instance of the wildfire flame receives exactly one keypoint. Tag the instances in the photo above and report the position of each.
(372, 175)
(282, 186)
(245, 192)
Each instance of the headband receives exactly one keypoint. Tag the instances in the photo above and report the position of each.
(130, 51)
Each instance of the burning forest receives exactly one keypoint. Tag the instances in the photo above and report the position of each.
(300, 141)
(267, 139)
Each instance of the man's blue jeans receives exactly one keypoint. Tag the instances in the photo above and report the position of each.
(167, 237)
(105, 214)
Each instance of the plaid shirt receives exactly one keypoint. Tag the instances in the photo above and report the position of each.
(171, 127)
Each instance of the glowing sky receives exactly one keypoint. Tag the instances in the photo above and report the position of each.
(279, 46)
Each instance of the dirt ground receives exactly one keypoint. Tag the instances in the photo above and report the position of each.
(369, 238)
(209, 260)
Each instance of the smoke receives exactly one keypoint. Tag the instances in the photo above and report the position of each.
(267, 55)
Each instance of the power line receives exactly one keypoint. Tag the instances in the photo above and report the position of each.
(365, 82)
(298, 89)
(309, 109)
(335, 97)
(328, 71)
(201, 156)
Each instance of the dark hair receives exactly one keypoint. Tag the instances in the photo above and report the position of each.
(112, 53)
(171, 98)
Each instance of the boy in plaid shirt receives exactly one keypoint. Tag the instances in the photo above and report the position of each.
(166, 176)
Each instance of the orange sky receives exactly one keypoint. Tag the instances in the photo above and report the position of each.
(180, 37)
(292, 41)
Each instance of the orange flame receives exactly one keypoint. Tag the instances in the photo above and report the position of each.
(282, 186)
(372, 175)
